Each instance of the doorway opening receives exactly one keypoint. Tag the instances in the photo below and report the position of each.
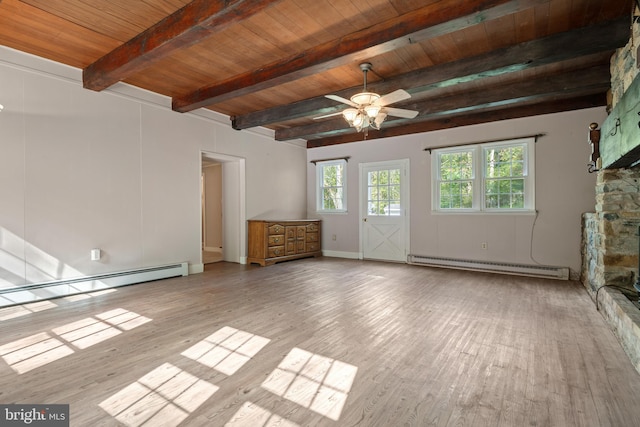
(211, 185)
(223, 218)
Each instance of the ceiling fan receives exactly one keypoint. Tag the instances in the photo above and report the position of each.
(369, 109)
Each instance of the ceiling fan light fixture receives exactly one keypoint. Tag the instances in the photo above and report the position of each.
(359, 121)
(365, 98)
(380, 117)
(369, 109)
(350, 115)
(372, 110)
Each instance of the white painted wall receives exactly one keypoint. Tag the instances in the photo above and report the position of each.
(116, 170)
(564, 190)
(120, 171)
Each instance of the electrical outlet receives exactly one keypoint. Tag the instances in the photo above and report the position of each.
(333, 237)
(484, 245)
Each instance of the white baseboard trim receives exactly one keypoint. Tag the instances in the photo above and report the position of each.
(341, 254)
(196, 268)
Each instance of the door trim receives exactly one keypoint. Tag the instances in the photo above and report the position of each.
(234, 228)
(362, 205)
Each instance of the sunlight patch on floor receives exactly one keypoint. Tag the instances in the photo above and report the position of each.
(165, 396)
(316, 382)
(22, 310)
(38, 350)
(226, 350)
(32, 352)
(252, 415)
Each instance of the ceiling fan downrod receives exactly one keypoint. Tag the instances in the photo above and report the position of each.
(365, 67)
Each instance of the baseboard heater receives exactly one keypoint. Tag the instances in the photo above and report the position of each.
(58, 288)
(544, 271)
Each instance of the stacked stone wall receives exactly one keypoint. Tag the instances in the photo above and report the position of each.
(624, 64)
(610, 235)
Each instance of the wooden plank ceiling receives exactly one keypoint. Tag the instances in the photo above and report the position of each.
(269, 63)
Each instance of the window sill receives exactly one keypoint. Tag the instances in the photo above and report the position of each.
(332, 212)
(511, 212)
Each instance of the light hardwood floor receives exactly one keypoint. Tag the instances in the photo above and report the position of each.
(323, 342)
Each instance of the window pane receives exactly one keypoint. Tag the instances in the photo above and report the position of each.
(373, 193)
(373, 178)
(518, 201)
(331, 185)
(505, 186)
(395, 176)
(332, 198)
(384, 208)
(332, 176)
(384, 193)
(517, 169)
(467, 201)
(492, 201)
(504, 162)
(456, 195)
(455, 166)
(491, 186)
(517, 186)
(504, 193)
(394, 192)
(445, 201)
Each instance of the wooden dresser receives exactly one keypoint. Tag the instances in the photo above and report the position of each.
(274, 241)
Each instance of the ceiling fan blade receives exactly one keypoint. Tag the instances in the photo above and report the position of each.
(399, 112)
(395, 96)
(341, 99)
(328, 115)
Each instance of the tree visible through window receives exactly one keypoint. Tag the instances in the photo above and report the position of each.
(504, 184)
(332, 185)
(484, 177)
(456, 180)
(383, 192)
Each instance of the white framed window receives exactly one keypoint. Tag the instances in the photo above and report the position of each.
(331, 182)
(491, 177)
(383, 192)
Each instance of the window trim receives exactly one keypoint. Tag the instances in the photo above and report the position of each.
(479, 177)
(319, 185)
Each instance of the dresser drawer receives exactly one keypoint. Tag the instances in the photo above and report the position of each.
(276, 229)
(276, 240)
(275, 251)
(291, 233)
(313, 246)
(311, 228)
(312, 237)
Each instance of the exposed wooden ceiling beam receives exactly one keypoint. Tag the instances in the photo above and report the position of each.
(604, 37)
(438, 18)
(589, 81)
(187, 26)
(547, 107)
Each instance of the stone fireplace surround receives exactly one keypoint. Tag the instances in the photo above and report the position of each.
(610, 241)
